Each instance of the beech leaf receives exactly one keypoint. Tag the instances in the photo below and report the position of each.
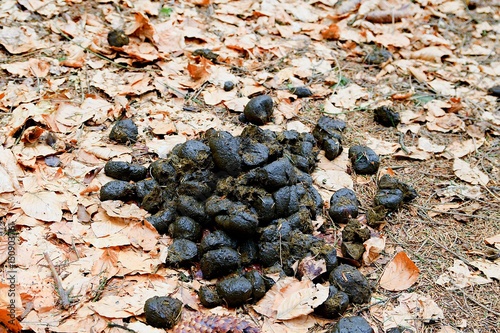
(400, 274)
(302, 302)
(43, 205)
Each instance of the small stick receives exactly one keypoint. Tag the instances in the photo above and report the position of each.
(451, 251)
(123, 327)
(377, 303)
(402, 144)
(60, 289)
(473, 300)
(456, 213)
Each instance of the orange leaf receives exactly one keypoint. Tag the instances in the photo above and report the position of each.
(400, 274)
(9, 323)
(32, 134)
(332, 32)
(200, 70)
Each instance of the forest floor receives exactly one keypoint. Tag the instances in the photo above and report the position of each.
(63, 87)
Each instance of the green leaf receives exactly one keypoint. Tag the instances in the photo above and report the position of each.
(166, 11)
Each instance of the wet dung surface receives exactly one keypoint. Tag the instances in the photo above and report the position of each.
(343, 205)
(349, 280)
(259, 110)
(386, 116)
(354, 324)
(162, 311)
(364, 160)
(124, 131)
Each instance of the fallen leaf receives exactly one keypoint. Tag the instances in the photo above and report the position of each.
(11, 324)
(44, 206)
(116, 208)
(302, 302)
(290, 298)
(311, 268)
(493, 241)
(490, 269)
(465, 172)
(459, 276)
(400, 274)
(373, 248)
(462, 148)
(412, 311)
(18, 40)
(331, 33)
(426, 145)
(461, 191)
(432, 53)
(382, 147)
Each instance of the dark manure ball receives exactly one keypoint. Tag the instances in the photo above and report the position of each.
(364, 160)
(117, 190)
(335, 305)
(386, 116)
(162, 311)
(235, 291)
(182, 252)
(117, 38)
(259, 110)
(124, 131)
(349, 280)
(125, 171)
(354, 324)
(209, 297)
(219, 262)
(343, 205)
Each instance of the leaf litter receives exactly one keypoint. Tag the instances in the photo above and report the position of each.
(78, 79)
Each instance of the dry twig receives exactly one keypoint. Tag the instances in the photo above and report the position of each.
(63, 294)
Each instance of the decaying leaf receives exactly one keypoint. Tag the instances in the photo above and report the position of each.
(290, 298)
(301, 302)
(373, 248)
(490, 269)
(413, 310)
(45, 206)
(400, 274)
(493, 241)
(311, 268)
(471, 175)
(459, 276)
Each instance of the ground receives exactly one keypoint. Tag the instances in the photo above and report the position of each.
(63, 86)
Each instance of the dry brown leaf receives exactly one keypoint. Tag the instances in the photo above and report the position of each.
(493, 241)
(400, 274)
(302, 301)
(373, 248)
(448, 122)
(464, 171)
(331, 33)
(107, 265)
(18, 40)
(290, 298)
(490, 269)
(6, 184)
(459, 276)
(382, 147)
(426, 145)
(45, 206)
(459, 149)
(415, 154)
(432, 53)
(200, 69)
(311, 268)
(412, 312)
(116, 208)
(389, 16)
